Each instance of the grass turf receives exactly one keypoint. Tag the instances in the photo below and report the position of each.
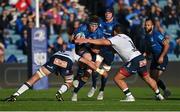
(44, 100)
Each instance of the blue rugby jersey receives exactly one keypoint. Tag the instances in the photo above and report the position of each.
(107, 27)
(155, 42)
(94, 35)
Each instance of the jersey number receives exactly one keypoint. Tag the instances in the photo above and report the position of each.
(133, 46)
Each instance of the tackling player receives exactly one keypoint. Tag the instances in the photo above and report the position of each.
(60, 62)
(157, 45)
(135, 62)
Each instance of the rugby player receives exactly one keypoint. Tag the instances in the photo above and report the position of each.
(60, 62)
(88, 51)
(106, 53)
(158, 46)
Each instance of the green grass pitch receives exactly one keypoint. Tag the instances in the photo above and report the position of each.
(44, 100)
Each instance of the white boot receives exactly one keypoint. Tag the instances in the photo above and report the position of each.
(128, 99)
(159, 97)
(91, 92)
(100, 95)
(74, 97)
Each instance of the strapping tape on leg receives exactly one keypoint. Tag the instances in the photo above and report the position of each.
(41, 73)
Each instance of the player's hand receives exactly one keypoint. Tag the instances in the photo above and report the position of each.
(81, 41)
(161, 59)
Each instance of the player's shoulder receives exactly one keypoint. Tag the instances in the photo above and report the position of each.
(123, 35)
(115, 21)
(157, 33)
(101, 22)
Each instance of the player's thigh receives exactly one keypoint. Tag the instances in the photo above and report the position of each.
(63, 62)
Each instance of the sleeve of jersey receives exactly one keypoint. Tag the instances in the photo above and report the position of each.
(113, 40)
(161, 38)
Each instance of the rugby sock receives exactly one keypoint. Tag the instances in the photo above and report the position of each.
(161, 84)
(81, 84)
(157, 92)
(22, 89)
(94, 79)
(103, 83)
(63, 89)
(127, 92)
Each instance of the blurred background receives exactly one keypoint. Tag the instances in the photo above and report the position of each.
(62, 17)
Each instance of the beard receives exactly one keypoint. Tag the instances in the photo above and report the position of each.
(149, 30)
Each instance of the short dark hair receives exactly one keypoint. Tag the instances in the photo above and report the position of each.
(109, 9)
(94, 19)
(118, 29)
(151, 19)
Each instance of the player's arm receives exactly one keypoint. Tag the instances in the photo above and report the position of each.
(93, 66)
(145, 49)
(93, 41)
(165, 49)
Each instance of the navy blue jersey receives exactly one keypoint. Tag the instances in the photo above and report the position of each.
(83, 29)
(94, 35)
(107, 27)
(155, 42)
(68, 56)
(107, 51)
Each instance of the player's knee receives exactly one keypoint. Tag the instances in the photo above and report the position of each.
(69, 80)
(119, 77)
(84, 78)
(40, 73)
(115, 79)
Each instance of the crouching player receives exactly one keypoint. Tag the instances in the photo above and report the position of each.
(60, 62)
